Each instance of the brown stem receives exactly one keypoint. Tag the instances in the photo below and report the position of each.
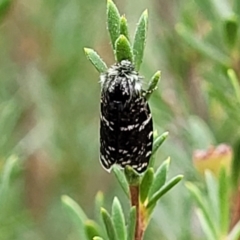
(235, 209)
(134, 191)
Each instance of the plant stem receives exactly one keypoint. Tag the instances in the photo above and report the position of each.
(134, 192)
(235, 209)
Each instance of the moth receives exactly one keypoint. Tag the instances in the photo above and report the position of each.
(126, 127)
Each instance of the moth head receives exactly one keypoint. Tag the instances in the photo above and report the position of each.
(122, 80)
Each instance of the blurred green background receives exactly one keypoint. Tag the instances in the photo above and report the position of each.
(49, 105)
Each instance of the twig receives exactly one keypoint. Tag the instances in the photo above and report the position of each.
(235, 209)
(134, 192)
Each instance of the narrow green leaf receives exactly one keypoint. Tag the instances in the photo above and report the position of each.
(118, 219)
(7, 170)
(224, 201)
(203, 47)
(235, 171)
(98, 238)
(99, 199)
(146, 183)
(121, 179)
(76, 215)
(74, 208)
(132, 176)
(231, 30)
(159, 178)
(113, 22)
(123, 49)
(98, 204)
(167, 187)
(205, 226)
(159, 141)
(212, 190)
(235, 83)
(92, 229)
(140, 40)
(108, 224)
(131, 224)
(152, 86)
(197, 196)
(95, 59)
(5, 179)
(124, 27)
(235, 232)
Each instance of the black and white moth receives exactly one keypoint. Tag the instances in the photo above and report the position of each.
(126, 128)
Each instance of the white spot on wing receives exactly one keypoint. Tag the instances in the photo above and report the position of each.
(145, 122)
(148, 153)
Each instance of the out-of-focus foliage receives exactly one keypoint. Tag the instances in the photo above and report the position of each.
(49, 101)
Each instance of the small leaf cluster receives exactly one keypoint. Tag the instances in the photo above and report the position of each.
(130, 177)
(153, 184)
(106, 226)
(115, 226)
(122, 47)
(214, 207)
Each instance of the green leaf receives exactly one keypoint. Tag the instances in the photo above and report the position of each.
(76, 214)
(235, 171)
(108, 224)
(113, 22)
(204, 48)
(123, 49)
(235, 83)
(140, 40)
(231, 30)
(92, 229)
(224, 201)
(167, 187)
(131, 224)
(7, 171)
(95, 59)
(197, 196)
(159, 141)
(99, 199)
(98, 238)
(121, 179)
(98, 204)
(159, 178)
(212, 190)
(124, 27)
(146, 183)
(205, 226)
(74, 208)
(118, 219)
(152, 86)
(132, 176)
(235, 232)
